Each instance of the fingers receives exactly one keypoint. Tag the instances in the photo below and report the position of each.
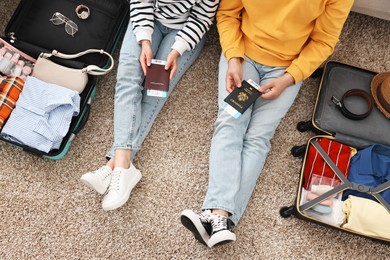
(145, 56)
(269, 94)
(237, 80)
(271, 90)
(267, 90)
(234, 74)
(275, 87)
(230, 86)
(149, 58)
(233, 80)
(172, 62)
(173, 70)
(266, 87)
(143, 61)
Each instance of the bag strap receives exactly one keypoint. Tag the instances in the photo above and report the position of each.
(90, 69)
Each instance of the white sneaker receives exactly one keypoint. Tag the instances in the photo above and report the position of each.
(122, 182)
(98, 180)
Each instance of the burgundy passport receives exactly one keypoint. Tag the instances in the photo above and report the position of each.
(157, 79)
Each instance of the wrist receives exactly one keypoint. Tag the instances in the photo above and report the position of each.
(175, 53)
(234, 60)
(288, 79)
(145, 43)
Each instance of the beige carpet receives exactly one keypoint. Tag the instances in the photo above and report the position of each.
(45, 212)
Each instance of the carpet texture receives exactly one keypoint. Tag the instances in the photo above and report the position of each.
(46, 212)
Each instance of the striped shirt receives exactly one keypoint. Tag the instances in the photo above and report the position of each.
(192, 17)
(42, 115)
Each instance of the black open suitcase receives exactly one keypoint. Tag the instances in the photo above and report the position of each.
(328, 122)
(31, 31)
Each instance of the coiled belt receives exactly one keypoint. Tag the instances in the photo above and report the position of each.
(354, 92)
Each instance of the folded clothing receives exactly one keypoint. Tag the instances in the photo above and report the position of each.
(315, 164)
(370, 167)
(42, 115)
(366, 217)
(10, 89)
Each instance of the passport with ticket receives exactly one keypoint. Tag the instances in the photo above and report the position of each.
(239, 100)
(157, 79)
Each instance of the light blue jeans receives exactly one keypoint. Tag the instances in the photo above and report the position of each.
(239, 146)
(134, 111)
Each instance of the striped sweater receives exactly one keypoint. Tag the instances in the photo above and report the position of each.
(192, 17)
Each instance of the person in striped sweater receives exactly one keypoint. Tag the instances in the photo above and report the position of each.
(169, 30)
(277, 44)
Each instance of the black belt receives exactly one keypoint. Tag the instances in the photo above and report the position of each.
(354, 92)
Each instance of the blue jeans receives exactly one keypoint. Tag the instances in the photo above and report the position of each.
(239, 146)
(134, 111)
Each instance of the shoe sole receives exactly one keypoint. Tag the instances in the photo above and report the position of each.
(191, 221)
(124, 199)
(89, 184)
(221, 238)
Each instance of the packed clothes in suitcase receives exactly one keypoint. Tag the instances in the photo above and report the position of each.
(50, 55)
(345, 177)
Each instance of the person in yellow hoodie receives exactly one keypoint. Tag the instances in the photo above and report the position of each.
(277, 44)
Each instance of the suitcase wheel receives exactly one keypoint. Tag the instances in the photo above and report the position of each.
(304, 126)
(298, 151)
(286, 212)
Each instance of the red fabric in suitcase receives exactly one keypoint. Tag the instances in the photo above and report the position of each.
(315, 164)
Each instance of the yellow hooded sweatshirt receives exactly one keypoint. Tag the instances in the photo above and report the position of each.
(299, 34)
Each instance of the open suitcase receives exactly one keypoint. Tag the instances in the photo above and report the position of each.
(326, 183)
(31, 31)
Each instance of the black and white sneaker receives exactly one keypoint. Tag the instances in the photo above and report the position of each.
(221, 231)
(198, 224)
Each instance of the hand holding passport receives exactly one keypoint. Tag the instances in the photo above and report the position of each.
(238, 101)
(157, 79)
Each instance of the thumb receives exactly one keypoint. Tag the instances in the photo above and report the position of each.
(168, 64)
(266, 88)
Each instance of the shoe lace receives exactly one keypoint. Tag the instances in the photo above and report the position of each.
(219, 223)
(103, 173)
(205, 216)
(115, 180)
